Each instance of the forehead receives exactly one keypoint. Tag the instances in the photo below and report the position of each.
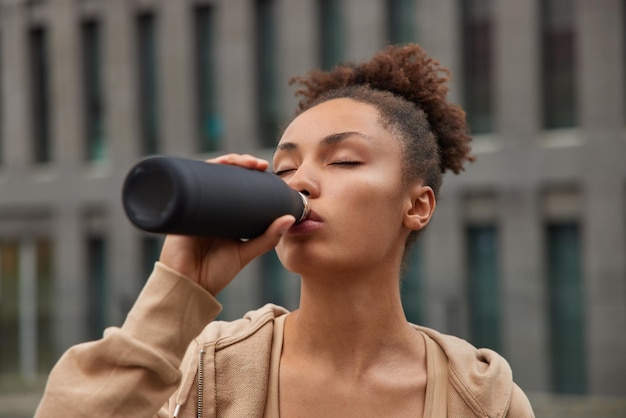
(333, 116)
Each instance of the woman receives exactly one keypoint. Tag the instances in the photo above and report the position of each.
(368, 147)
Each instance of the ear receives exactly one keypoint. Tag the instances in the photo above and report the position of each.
(422, 206)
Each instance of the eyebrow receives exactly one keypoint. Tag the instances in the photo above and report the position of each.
(327, 141)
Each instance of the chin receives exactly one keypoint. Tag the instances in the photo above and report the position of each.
(299, 259)
(303, 262)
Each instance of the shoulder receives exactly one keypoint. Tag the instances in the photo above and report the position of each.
(225, 333)
(231, 360)
(480, 378)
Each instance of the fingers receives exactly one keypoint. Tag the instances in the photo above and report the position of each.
(267, 241)
(213, 263)
(241, 160)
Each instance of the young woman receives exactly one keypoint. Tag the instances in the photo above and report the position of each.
(368, 148)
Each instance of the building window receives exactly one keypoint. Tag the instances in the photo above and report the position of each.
(624, 50)
(558, 64)
(9, 308)
(566, 308)
(267, 72)
(2, 107)
(45, 305)
(331, 33)
(95, 140)
(272, 272)
(208, 118)
(411, 286)
(477, 47)
(38, 42)
(400, 21)
(483, 286)
(148, 83)
(26, 308)
(97, 287)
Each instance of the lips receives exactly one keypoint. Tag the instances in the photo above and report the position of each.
(313, 216)
(311, 223)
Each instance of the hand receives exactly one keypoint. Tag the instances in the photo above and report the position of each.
(214, 262)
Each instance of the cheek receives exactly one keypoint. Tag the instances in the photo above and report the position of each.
(374, 198)
(372, 215)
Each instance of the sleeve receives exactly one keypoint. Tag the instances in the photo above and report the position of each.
(132, 370)
(520, 405)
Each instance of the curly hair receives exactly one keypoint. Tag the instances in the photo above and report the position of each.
(409, 90)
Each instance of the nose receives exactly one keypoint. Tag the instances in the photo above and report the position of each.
(304, 181)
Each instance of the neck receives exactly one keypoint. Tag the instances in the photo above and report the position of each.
(349, 321)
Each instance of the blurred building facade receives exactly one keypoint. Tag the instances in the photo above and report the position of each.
(526, 253)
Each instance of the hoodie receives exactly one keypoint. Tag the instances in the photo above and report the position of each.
(222, 369)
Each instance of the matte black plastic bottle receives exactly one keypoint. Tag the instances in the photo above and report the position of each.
(181, 196)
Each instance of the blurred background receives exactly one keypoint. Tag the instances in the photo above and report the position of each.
(527, 250)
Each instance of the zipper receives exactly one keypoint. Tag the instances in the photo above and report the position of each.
(200, 381)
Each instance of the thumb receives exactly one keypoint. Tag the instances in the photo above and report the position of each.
(261, 244)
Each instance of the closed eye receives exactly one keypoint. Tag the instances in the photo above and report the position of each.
(283, 172)
(346, 162)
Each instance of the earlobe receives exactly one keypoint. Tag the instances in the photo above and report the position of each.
(422, 207)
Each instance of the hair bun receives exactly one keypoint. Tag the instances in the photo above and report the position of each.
(406, 71)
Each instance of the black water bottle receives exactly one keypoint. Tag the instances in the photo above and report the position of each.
(181, 196)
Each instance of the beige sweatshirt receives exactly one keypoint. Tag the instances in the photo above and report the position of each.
(142, 370)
